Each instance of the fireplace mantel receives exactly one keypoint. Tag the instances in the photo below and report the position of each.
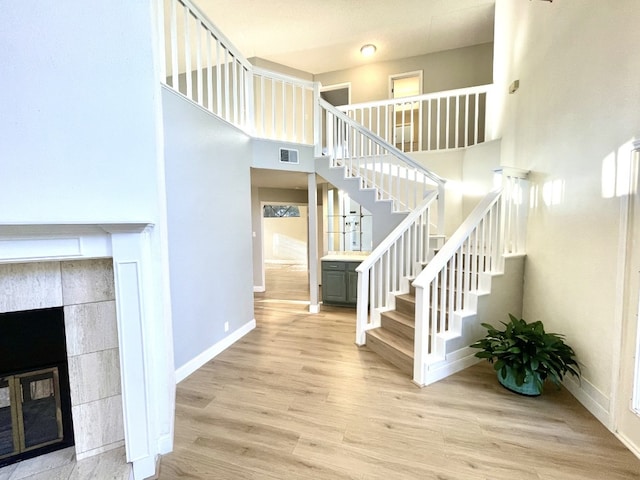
(141, 313)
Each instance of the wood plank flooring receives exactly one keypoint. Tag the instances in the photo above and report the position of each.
(296, 399)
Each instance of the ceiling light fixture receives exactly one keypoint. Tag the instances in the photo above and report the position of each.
(368, 50)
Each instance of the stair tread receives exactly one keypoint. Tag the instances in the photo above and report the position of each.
(407, 296)
(400, 317)
(401, 344)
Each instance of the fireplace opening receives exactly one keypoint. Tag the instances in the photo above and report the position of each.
(35, 402)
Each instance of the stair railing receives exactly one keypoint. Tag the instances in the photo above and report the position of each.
(211, 72)
(494, 228)
(396, 176)
(283, 106)
(387, 269)
(433, 121)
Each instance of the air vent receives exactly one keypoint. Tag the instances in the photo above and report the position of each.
(288, 155)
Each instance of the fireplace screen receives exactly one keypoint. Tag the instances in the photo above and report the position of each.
(30, 413)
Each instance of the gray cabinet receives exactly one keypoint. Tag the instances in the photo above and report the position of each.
(339, 282)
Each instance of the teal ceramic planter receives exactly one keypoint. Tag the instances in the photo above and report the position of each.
(529, 388)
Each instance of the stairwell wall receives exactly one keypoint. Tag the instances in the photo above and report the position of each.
(570, 123)
(208, 187)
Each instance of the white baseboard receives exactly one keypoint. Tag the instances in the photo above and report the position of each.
(628, 443)
(591, 398)
(165, 444)
(259, 289)
(455, 362)
(194, 364)
(314, 308)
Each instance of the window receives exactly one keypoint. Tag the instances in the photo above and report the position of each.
(279, 211)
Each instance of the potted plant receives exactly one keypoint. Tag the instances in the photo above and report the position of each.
(524, 355)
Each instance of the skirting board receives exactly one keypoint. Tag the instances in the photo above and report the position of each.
(591, 398)
(456, 362)
(259, 289)
(191, 366)
(628, 443)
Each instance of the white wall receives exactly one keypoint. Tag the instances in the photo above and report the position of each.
(285, 239)
(78, 137)
(448, 165)
(478, 167)
(458, 68)
(577, 106)
(258, 196)
(209, 221)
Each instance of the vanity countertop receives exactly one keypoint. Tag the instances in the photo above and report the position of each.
(346, 256)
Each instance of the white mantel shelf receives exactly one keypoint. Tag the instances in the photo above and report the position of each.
(37, 242)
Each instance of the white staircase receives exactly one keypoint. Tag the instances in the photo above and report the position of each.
(405, 199)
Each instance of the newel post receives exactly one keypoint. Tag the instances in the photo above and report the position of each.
(421, 342)
(513, 209)
(441, 196)
(317, 120)
(362, 312)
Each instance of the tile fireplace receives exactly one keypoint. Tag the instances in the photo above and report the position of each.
(100, 281)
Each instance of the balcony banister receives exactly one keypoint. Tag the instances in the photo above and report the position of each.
(209, 25)
(283, 77)
(417, 98)
(380, 141)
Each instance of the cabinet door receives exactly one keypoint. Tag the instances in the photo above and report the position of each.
(334, 286)
(352, 287)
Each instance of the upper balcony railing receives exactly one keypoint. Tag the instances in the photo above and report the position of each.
(434, 121)
(283, 107)
(204, 66)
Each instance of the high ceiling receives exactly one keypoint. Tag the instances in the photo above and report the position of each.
(318, 36)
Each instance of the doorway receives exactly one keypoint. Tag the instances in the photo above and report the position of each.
(406, 116)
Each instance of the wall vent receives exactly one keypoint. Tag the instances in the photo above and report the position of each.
(288, 155)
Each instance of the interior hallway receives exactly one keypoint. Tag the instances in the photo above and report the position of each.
(296, 399)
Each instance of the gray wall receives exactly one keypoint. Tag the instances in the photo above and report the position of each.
(458, 68)
(209, 223)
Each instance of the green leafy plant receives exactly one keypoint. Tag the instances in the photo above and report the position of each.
(532, 354)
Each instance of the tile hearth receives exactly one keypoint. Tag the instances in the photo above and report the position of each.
(62, 465)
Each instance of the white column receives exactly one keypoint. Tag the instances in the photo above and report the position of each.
(134, 290)
(314, 302)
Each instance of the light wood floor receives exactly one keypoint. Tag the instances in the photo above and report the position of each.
(296, 399)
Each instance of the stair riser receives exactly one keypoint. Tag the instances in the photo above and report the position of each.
(405, 306)
(397, 327)
(390, 354)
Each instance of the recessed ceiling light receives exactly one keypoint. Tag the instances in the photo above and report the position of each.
(368, 50)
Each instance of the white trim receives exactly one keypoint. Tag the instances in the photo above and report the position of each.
(635, 393)
(259, 289)
(398, 76)
(619, 303)
(194, 364)
(314, 308)
(455, 362)
(165, 444)
(628, 443)
(591, 398)
(129, 244)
